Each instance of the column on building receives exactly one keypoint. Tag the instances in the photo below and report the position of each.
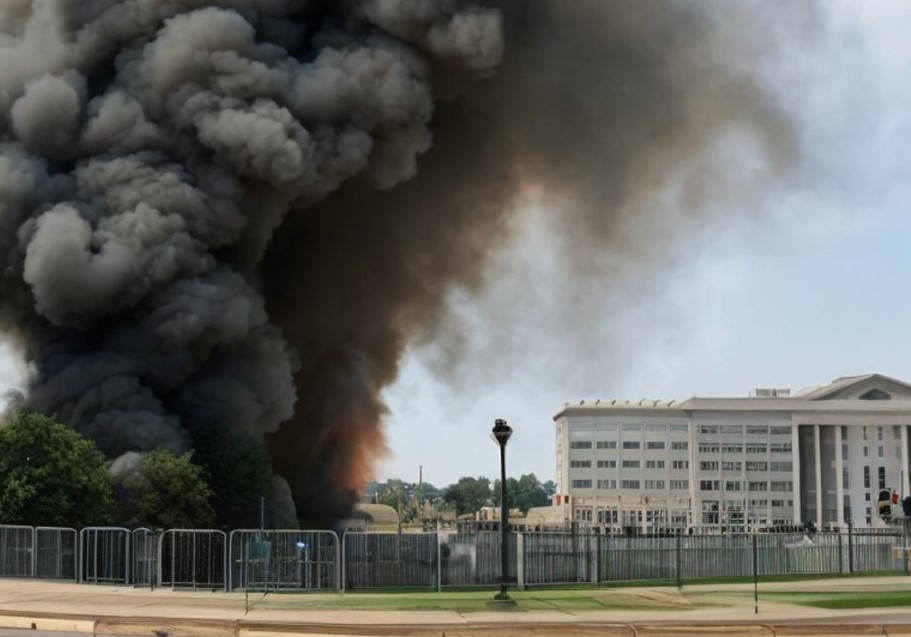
(795, 469)
(817, 450)
(839, 480)
(904, 443)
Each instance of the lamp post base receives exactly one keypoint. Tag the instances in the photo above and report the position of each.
(502, 601)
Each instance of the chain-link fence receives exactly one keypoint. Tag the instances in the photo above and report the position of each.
(284, 559)
(319, 560)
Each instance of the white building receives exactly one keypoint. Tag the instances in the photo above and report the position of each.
(820, 456)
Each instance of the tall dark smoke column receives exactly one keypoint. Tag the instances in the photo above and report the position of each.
(238, 214)
(151, 151)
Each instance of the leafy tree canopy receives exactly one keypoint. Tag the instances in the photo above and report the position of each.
(51, 476)
(468, 494)
(167, 492)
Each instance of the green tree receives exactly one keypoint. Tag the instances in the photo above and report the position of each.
(239, 471)
(468, 494)
(167, 492)
(51, 476)
(522, 494)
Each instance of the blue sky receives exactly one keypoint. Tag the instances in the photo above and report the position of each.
(814, 288)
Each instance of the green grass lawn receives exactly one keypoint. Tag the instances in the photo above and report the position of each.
(473, 601)
(878, 599)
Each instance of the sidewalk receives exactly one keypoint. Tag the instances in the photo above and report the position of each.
(129, 611)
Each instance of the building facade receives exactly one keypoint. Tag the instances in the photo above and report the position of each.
(822, 456)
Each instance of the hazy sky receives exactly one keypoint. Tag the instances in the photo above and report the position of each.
(815, 288)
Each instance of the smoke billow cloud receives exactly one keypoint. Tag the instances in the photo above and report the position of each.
(239, 213)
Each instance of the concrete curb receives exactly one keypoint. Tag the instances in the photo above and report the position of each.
(175, 627)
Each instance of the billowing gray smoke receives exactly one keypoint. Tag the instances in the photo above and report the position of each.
(238, 213)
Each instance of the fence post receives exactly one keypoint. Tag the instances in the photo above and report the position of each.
(34, 551)
(593, 558)
(520, 561)
(841, 557)
(755, 577)
(850, 547)
(340, 551)
(679, 561)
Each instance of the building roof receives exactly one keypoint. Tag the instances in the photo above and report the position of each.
(867, 392)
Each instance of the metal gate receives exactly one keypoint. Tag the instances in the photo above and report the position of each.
(104, 555)
(272, 559)
(192, 558)
(17, 548)
(55, 553)
(144, 557)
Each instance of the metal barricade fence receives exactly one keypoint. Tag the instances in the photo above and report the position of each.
(873, 552)
(144, 557)
(624, 558)
(799, 554)
(473, 559)
(104, 555)
(193, 558)
(284, 559)
(390, 560)
(559, 558)
(55, 553)
(17, 546)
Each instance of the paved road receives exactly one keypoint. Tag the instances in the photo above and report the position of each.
(9, 632)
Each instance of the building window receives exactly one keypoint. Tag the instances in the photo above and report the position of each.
(708, 465)
(784, 430)
(780, 447)
(707, 448)
(656, 428)
(731, 448)
(607, 444)
(753, 430)
(781, 486)
(732, 429)
(758, 486)
(756, 448)
(782, 466)
(882, 477)
(680, 485)
(866, 452)
(629, 484)
(866, 477)
(657, 485)
(844, 451)
(630, 444)
(655, 445)
(629, 426)
(758, 466)
(580, 464)
(865, 432)
(630, 464)
(708, 429)
(680, 446)
(732, 485)
(778, 504)
(580, 444)
(607, 484)
(681, 464)
(582, 484)
(732, 465)
(679, 428)
(881, 452)
(844, 478)
(607, 464)
(654, 464)
(710, 485)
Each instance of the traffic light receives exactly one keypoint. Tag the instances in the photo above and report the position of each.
(884, 503)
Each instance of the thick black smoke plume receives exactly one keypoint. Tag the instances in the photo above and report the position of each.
(238, 213)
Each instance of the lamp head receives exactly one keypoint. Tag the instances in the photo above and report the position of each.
(501, 432)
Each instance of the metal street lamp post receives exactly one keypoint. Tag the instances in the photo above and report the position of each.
(501, 433)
